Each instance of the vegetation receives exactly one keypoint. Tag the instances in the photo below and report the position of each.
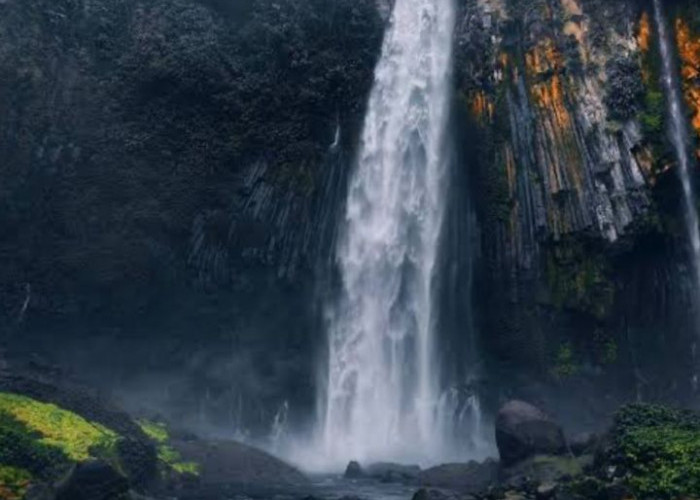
(659, 451)
(167, 455)
(77, 438)
(578, 279)
(625, 88)
(14, 483)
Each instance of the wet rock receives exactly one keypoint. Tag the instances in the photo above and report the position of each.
(523, 430)
(394, 473)
(543, 469)
(353, 470)
(472, 477)
(546, 491)
(232, 463)
(94, 480)
(583, 443)
(428, 494)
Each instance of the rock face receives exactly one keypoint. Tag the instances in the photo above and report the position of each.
(234, 464)
(148, 90)
(571, 172)
(472, 477)
(523, 431)
(94, 480)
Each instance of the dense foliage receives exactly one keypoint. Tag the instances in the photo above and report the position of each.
(625, 88)
(658, 450)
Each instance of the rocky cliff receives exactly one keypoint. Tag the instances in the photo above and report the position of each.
(584, 250)
(173, 173)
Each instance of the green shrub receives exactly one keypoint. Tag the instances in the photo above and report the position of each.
(659, 451)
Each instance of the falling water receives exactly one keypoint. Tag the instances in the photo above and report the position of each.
(382, 396)
(679, 136)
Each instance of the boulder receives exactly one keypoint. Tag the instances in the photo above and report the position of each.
(235, 464)
(353, 470)
(394, 473)
(523, 430)
(93, 480)
(472, 477)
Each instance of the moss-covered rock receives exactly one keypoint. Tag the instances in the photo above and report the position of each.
(169, 458)
(41, 442)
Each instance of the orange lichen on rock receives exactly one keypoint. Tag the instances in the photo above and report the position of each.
(644, 34)
(572, 7)
(689, 53)
(549, 95)
(482, 106)
(543, 58)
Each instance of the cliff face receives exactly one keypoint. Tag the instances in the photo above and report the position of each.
(171, 173)
(582, 230)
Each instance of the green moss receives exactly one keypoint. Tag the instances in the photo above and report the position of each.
(22, 448)
(652, 116)
(167, 455)
(577, 277)
(565, 364)
(659, 449)
(157, 431)
(14, 482)
(58, 428)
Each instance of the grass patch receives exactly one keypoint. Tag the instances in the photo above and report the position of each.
(58, 428)
(167, 455)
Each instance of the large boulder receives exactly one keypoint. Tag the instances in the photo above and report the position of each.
(523, 430)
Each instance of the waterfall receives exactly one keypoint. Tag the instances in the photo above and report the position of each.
(382, 394)
(678, 131)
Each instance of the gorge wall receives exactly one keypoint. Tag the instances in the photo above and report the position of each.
(171, 184)
(580, 207)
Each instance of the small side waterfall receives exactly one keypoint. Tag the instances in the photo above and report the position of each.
(382, 400)
(678, 130)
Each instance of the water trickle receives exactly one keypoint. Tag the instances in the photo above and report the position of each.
(382, 398)
(678, 131)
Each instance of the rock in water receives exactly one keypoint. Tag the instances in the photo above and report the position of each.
(94, 480)
(353, 470)
(522, 430)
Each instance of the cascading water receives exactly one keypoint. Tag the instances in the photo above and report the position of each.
(382, 396)
(679, 136)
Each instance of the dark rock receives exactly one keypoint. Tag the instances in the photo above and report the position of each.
(543, 469)
(522, 431)
(353, 470)
(427, 494)
(394, 473)
(472, 477)
(546, 491)
(583, 443)
(93, 480)
(232, 463)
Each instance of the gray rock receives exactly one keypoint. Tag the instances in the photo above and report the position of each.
(542, 469)
(394, 473)
(472, 477)
(353, 470)
(522, 431)
(428, 494)
(547, 491)
(93, 480)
